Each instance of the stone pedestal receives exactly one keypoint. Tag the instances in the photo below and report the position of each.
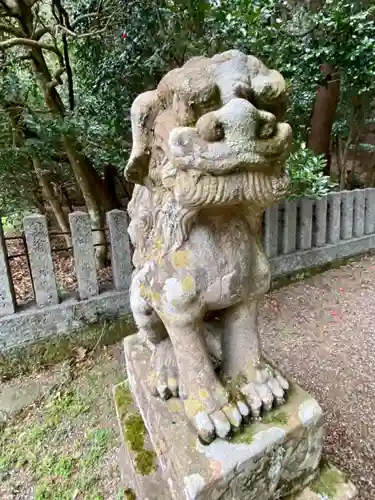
(278, 457)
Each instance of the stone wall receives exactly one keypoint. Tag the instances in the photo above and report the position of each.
(298, 235)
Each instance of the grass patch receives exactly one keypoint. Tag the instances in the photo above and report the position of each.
(68, 404)
(56, 464)
(100, 441)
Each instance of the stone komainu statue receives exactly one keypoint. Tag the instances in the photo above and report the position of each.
(208, 152)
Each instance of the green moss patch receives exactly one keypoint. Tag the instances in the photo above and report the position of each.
(328, 481)
(134, 430)
(40, 355)
(244, 437)
(279, 417)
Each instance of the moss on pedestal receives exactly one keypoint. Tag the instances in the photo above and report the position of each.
(279, 417)
(134, 430)
(328, 481)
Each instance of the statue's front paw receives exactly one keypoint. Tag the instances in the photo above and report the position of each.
(212, 413)
(263, 388)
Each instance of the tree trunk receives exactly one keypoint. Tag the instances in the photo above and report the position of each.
(53, 200)
(97, 215)
(323, 116)
(341, 163)
(87, 178)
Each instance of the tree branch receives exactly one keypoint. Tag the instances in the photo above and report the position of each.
(13, 42)
(79, 19)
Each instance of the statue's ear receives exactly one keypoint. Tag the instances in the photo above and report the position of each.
(137, 167)
(143, 113)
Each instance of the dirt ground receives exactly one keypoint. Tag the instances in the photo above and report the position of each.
(320, 331)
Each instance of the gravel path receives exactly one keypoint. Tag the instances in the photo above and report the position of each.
(321, 332)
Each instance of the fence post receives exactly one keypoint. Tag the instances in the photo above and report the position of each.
(120, 249)
(370, 211)
(84, 254)
(334, 217)
(306, 213)
(290, 226)
(40, 256)
(359, 212)
(271, 231)
(347, 215)
(321, 222)
(7, 295)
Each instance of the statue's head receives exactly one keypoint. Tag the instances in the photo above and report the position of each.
(213, 118)
(213, 115)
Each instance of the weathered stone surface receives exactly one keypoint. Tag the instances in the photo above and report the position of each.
(290, 227)
(359, 212)
(208, 153)
(321, 222)
(334, 220)
(84, 254)
(40, 255)
(347, 199)
(370, 211)
(40, 323)
(147, 485)
(316, 257)
(7, 296)
(277, 456)
(305, 234)
(120, 249)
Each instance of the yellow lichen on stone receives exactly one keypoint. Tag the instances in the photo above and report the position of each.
(193, 407)
(203, 394)
(188, 284)
(180, 259)
(155, 296)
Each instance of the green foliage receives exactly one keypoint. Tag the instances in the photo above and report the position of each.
(136, 42)
(306, 174)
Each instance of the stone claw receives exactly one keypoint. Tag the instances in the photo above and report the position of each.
(219, 423)
(266, 391)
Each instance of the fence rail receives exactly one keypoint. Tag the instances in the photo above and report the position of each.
(38, 252)
(305, 233)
